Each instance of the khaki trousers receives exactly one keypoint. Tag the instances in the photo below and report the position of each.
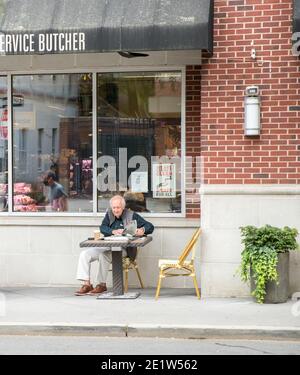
(100, 254)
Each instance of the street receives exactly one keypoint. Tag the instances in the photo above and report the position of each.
(71, 345)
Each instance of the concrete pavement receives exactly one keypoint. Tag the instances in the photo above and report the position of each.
(129, 346)
(177, 313)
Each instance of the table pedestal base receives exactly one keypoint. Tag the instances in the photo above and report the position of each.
(117, 271)
(122, 296)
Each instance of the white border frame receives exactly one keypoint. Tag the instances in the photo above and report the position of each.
(94, 72)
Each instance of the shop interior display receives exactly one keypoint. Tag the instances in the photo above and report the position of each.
(3, 197)
(81, 177)
(87, 176)
(23, 202)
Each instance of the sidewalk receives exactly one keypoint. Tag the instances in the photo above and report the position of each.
(177, 313)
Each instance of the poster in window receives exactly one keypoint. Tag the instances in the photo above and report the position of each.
(164, 180)
(139, 182)
(3, 124)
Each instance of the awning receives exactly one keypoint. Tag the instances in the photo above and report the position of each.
(296, 18)
(76, 26)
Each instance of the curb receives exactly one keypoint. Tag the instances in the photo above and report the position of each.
(154, 331)
(62, 329)
(216, 332)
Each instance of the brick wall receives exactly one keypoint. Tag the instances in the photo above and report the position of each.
(193, 139)
(229, 156)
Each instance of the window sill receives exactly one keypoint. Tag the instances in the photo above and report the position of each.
(88, 221)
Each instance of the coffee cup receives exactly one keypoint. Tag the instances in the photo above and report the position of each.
(97, 235)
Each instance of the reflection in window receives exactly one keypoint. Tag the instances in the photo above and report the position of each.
(3, 145)
(52, 132)
(139, 117)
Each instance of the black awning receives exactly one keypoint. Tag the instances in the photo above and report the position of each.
(296, 18)
(73, 26)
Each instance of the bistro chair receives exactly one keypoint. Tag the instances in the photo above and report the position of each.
(180, 266)
(130, 264)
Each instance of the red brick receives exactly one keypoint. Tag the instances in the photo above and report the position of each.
(230, 157)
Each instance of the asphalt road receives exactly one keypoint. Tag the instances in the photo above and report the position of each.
(70, 345)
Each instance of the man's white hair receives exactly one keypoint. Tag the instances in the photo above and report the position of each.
(118, 198)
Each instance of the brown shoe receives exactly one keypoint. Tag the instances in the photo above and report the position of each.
(84, 290)
(98, 290)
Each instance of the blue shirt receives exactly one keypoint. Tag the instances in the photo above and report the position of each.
(56, 192)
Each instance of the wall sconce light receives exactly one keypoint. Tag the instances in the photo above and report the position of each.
(252, 123)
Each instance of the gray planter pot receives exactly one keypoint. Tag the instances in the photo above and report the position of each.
(278, 293)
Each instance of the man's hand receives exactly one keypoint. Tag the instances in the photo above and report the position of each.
(117, 232)
(140, 232)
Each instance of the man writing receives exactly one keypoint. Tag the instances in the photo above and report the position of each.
(114, 222)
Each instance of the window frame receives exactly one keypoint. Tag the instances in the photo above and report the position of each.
(5, 213)
(94, 72)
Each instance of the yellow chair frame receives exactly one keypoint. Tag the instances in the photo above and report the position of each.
(170, 268)
(129, 264)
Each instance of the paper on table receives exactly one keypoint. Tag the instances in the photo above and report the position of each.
(116, 238)
(131, 228)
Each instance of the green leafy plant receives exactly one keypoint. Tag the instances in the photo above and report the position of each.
(260, 254)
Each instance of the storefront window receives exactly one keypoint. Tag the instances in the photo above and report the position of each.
(139, 134)
(3, 146)
(52, 143)
(139, 140)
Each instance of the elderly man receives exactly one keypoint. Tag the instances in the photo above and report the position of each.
(114, 222)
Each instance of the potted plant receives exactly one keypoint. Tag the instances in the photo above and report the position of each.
(265, 261)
